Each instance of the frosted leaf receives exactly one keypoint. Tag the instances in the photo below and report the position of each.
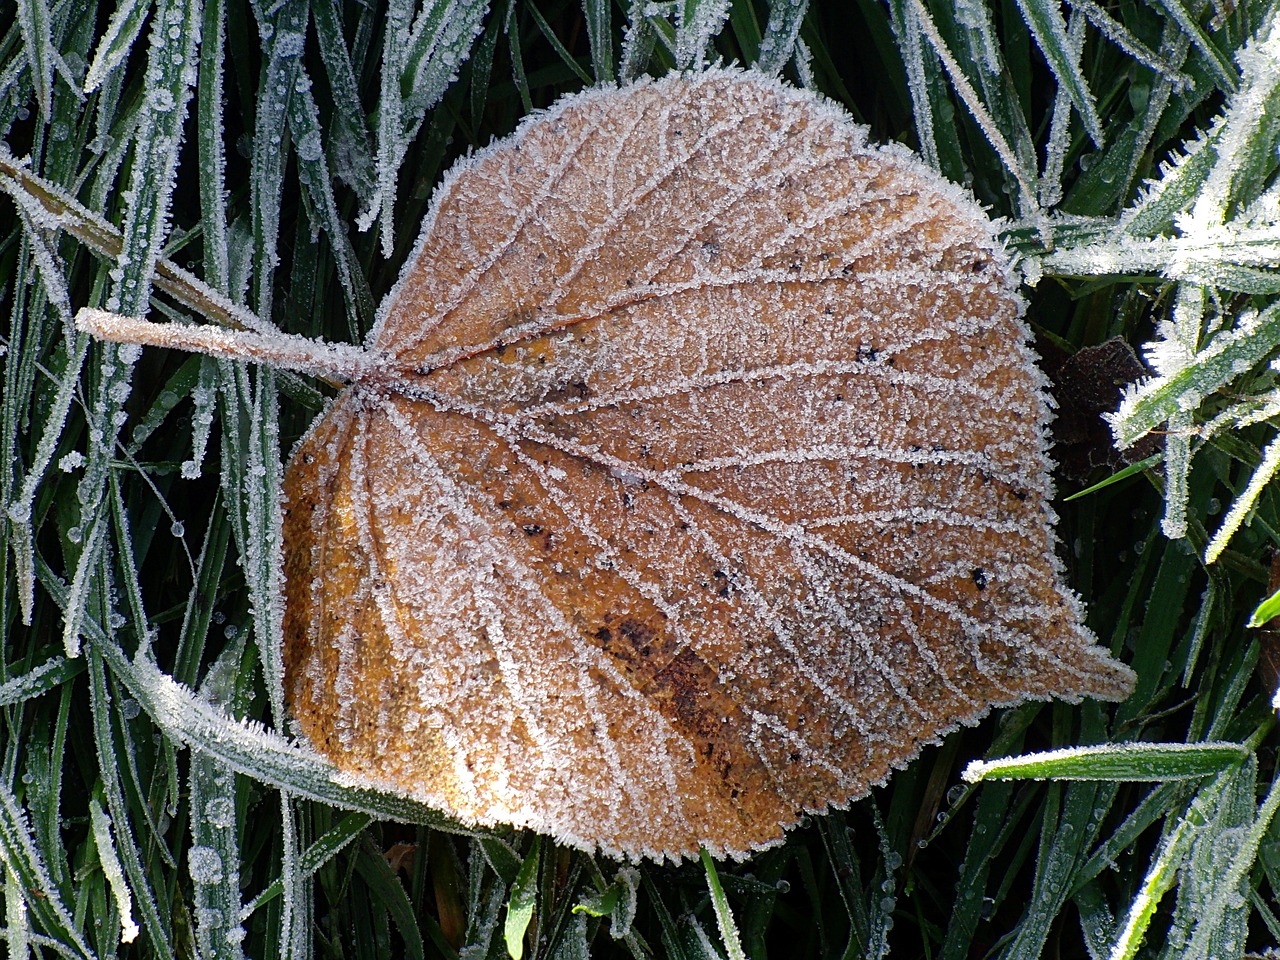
(693, 479)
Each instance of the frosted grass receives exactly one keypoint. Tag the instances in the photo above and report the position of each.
(253, 750)
(33, 20)
(39, 680)
(213, 860)
(114, 46)
(1059, 128)
(906, 26)
(414, 78)
(155, 915)
(170, 75)
(1063, 55)
(43, 58)
(1129, 761)
(19, 509)
(42, 896)
(697, 21)
(101, 827)
(282, 31)
(781, 38)
(978, 109)
(1228, 240)
(1118, 34)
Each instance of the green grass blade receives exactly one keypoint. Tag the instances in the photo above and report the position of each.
(1266, 611)
(209, 136)
(1050, 32)
(1229, 353)
(34, 21)
(1159, 879)
(43, 898)
(781, 33)
(600, 38)
(720, 904)
(568, 59)
(1130, 762)
(1218, 65)
(1245, 502)
(117, 43)
(523, 902)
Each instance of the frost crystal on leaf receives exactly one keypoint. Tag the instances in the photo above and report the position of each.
(693, 479)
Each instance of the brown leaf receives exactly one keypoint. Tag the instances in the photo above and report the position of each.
(1087, 384)
(696, 478)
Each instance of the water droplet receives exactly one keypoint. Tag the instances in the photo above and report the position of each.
(204, 864)
(221, 812)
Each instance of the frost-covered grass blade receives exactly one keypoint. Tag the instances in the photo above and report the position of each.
(1130, 761)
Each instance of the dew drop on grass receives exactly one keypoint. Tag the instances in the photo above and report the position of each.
(161, 100)
(656, 498)
(220, 811)
(205, 865)
(309, 147)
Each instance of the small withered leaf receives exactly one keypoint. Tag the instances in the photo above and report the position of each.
(694, 480)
